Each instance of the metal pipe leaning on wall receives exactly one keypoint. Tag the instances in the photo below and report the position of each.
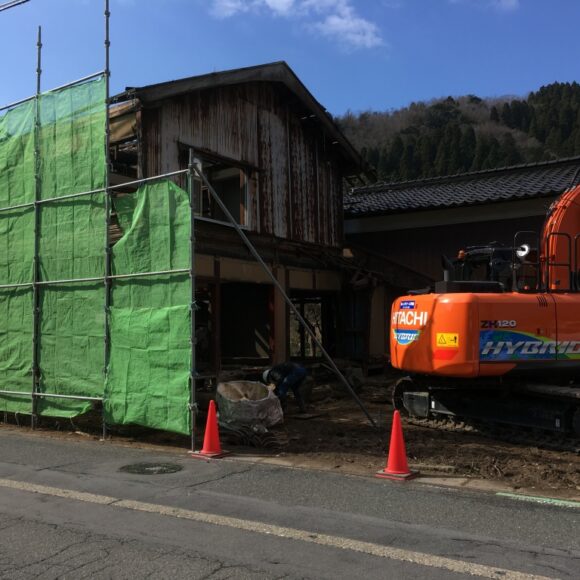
(287, 299)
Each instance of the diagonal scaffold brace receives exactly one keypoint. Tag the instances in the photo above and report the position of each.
(287, 299)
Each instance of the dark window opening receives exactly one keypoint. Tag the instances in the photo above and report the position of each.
(246, 327)
(229, 181)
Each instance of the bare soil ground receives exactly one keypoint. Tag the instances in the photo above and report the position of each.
(341, 439)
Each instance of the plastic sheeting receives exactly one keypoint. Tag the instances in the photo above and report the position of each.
(71, 246)
(17, 186)
(147, 380)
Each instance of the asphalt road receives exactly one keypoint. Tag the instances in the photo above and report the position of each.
(66, 511)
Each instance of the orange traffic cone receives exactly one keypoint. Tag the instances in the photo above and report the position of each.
(211, 441)
(397, 466)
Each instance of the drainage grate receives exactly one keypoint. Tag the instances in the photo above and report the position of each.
(151, 468)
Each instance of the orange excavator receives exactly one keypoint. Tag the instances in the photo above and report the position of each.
(499, 337)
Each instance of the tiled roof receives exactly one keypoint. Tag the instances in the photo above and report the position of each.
(491, 186)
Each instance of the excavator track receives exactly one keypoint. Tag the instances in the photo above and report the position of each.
(428, 412)
(500, 432)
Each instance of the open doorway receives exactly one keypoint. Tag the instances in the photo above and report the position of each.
(246, 325)
(320, 313)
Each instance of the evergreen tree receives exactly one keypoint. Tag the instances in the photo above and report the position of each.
(506, 115)
(493, 158)
(566, 120)
(425, 155)
(383, 166)
(481, 153)
(372, 156)
(467, 148)
(553, 142)
(577, 142)
(396, 154)
(443, 150)
(509, 153)
(407, 168)
(455, 160)
(451, 135)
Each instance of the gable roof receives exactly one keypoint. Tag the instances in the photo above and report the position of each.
(467, 189)
(274, 72)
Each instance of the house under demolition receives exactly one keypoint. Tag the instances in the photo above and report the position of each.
(123, 284)
(278, 162)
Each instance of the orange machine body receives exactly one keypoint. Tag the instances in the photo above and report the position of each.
(469, 335)
(490, 334)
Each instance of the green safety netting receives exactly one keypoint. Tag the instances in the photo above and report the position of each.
(148, 375)
(147, 382)
(17, 186)
(71, 246)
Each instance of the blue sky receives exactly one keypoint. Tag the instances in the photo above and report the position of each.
(351, 54)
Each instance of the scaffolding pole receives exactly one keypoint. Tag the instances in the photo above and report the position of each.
(193, 303)
(36, 258)
(287, 299)
(108, 250)
(94, 191)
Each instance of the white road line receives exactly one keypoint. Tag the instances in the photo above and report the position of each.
(378, 550)
(542, 500)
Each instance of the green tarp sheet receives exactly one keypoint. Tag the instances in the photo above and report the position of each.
(71, 246)
(147, 380)
(17, 186)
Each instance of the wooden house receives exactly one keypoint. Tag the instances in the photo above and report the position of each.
(278, 162)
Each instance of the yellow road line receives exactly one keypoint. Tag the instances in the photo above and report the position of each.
(418, 558)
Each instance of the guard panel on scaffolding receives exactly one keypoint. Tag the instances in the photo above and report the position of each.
(148, 375)
(71, 247)
(147, 379)
(17, 187)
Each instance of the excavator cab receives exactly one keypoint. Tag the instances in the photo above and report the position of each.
(494, 267)
(491, 263)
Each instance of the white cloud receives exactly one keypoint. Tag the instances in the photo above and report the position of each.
(507, 5)
(501, 5)
(335, 19)
(343, 23)
(227, 8)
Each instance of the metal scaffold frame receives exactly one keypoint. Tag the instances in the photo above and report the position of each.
(194, 176)
(107, 278)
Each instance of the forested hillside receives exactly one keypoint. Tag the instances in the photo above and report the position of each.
(454, 135)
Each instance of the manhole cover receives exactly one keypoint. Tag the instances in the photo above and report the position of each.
(151, 468)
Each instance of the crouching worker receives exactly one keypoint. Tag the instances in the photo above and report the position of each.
(284, 377)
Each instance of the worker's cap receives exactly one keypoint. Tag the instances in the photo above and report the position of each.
(265, 375)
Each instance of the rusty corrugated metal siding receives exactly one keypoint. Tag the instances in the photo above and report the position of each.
(294, 182)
